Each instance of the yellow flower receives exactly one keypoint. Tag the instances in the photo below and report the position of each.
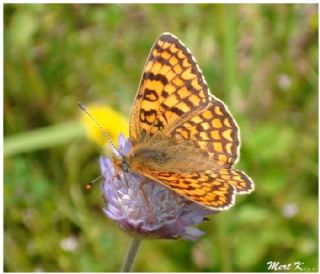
(110, 120)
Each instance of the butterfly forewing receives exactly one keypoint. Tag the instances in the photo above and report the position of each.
(172, 87)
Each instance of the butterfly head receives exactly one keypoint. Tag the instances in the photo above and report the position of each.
(125, 166)
(121, 163)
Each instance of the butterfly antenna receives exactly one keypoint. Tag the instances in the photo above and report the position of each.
(105, 134)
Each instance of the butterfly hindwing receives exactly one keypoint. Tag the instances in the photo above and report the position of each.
(242, 183)
(203, 187)
(214, 131)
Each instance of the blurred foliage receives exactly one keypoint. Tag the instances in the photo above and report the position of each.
(262, 60)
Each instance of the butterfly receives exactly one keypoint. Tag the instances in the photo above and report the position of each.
(182, 136)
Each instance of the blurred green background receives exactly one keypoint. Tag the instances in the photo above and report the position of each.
(261, 60)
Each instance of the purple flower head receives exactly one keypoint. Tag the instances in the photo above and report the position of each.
(146, 208)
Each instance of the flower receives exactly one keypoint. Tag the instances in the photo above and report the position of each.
(146, 208)
(113, 125)
(289, 210)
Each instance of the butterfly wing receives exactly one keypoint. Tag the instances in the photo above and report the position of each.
(242, 183)
(203, 187)
(214, 131)
(172, 88)
(173, 99)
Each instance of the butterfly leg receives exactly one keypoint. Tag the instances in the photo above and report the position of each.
(151, 217)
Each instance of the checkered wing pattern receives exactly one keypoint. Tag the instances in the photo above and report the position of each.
(174, 101)
(172, 88)
(203, 187)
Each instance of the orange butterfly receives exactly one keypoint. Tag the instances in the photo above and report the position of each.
(182, 136)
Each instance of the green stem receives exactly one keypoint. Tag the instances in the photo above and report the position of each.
(42, 138)
(131, 255)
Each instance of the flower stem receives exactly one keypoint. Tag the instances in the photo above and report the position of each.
(131, 255)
